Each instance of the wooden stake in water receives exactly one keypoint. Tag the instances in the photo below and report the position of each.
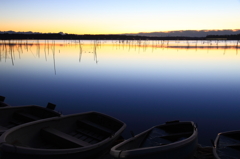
(53, 50)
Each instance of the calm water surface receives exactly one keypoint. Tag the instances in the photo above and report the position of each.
(143, 83)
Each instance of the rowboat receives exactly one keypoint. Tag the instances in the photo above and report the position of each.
(167, 141)
(75, 136)
(2, 104)
(227, 145)
(17, 115)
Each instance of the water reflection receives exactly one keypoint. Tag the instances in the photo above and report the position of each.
(53, 51)
(80, 52)
(7, 48)
(129, 79)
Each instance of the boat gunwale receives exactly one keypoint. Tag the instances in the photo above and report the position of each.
(152, 149)
(29, 106)
(14, 109)
(3, 105)
(215, 146)
(40, 151)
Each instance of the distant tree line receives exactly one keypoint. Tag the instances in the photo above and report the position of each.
(229, 37)
(56, 36)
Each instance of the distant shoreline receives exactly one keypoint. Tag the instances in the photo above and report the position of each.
(57, 36)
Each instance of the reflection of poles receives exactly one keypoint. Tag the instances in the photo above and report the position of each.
(139, 45)
(1, 53)
(152, 46)
(5, 52)
(21, 47)
(207, 49)
(18, 51)
(129, 46)
(145, 46)
(225, 47)
(1, 49)
(95, 51)
(53, 50)
(135, 45)
(45, 50)
(38, 48)
(162, 43)
(80, 53)
(48, 46)
(237, 47)
(11, 51)
(188, 45)
(177, 45)
(26, 45)
(196, 45)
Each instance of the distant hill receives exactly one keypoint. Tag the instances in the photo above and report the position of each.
(28, 32)
(182, 33)
(188, 33)
(171, 35)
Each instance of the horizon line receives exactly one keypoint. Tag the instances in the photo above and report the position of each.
(170, 31)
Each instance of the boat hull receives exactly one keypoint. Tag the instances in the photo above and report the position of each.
(59, 133)
(2, 104)
(131, 148)
(86, 154)
(17, 115)
(227, 145)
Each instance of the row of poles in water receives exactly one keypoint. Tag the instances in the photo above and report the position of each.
(7, 46)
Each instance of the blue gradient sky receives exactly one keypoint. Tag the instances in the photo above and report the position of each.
(115, 16)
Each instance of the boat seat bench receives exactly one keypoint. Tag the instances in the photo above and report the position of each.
(96, 126)
(95, 137)
(62, 138)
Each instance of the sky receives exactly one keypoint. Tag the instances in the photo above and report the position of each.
(118, 16)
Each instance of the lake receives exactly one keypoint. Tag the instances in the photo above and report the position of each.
(142, 83)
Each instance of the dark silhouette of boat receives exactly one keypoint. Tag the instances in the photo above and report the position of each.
(227, 145)
(75, 136)
(168, 141)
(18, 115)
(2, 104)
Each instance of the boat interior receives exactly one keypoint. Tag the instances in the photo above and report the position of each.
(161, 135)
(229, 145)
(73, 132)
(2, 104)
(85, 134)
(14, 117)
